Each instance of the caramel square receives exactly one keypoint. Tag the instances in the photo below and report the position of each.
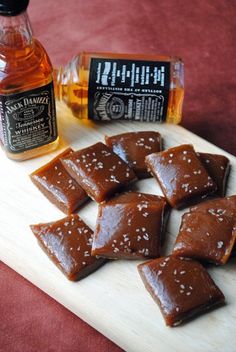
(57, 185)
(208, 237)
(218, 167)
(99, 171)
(130, 226)
(208, 231)
(67, 242)
(181, 175)
(181, 287)
(133, 147)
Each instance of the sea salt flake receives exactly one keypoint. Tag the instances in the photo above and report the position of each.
(146, 237)
(163, 264)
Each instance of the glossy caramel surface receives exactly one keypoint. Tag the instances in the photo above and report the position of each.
(99, 171)
(58, 186)
(181, 175)
(133, 147)
(182, 288)
(208, 237)
(68, 243)
(227, 205)
(130, 226)
(218, 168)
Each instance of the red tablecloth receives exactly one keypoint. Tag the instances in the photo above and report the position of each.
(203, 33)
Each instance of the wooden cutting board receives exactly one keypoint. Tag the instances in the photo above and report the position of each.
(113, 300)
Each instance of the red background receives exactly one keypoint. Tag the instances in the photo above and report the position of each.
(203, 33)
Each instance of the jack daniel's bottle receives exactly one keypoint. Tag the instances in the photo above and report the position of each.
(27, 107)
(102, 86)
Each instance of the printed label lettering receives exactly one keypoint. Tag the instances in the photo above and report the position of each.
(131, 90)
(28, 119)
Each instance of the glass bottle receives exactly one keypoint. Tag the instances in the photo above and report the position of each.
(109, 86)
(27, 105)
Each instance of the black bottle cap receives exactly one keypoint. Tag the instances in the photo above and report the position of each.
(13, 7)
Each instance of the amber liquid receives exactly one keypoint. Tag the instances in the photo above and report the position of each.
(72, 84)
(25, 67)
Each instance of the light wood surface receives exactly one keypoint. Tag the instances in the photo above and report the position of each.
(113, 300)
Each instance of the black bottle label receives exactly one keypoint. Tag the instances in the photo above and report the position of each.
(28, 119)
(128, 89)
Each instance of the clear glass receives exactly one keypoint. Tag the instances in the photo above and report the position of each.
(24, 65)
(71, 82)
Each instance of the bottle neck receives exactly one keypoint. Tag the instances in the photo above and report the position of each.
(16, 33)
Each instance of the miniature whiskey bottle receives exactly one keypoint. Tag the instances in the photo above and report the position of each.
(105, 86)
(28, 125)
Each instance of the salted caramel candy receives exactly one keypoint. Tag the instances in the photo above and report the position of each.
(99, 171)
(58, 186)
(208, 231)
(181, 175)
(130, 226)
(181, 287)
(67, 242)
(207, 237)
(133, 147)
(218, 167)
